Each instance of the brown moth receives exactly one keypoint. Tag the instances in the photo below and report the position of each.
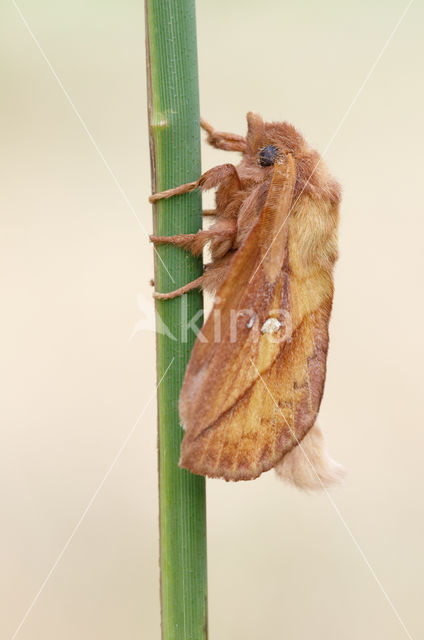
(250, 399)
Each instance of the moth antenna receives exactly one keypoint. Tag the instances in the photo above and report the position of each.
(308, 465)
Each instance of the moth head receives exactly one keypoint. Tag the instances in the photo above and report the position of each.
(267, 141)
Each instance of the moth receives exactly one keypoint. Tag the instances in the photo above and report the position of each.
(250, 399)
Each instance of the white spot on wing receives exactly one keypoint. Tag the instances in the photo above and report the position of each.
(271, 325)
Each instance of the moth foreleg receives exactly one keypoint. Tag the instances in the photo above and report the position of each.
(222, 139)
(208, 180)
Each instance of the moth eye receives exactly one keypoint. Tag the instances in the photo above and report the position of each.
(267, 155)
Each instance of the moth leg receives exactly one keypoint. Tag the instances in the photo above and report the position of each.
(209, 212)
(194, 284)
(208, 180)
(222, 139)
(195, 242)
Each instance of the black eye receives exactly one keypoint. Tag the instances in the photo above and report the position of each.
(267, 155)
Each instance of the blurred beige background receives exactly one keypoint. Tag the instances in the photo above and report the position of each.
(75, 265)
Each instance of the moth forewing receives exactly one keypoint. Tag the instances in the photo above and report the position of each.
(219, 374)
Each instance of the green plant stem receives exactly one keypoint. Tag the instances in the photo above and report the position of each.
(174, 125)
